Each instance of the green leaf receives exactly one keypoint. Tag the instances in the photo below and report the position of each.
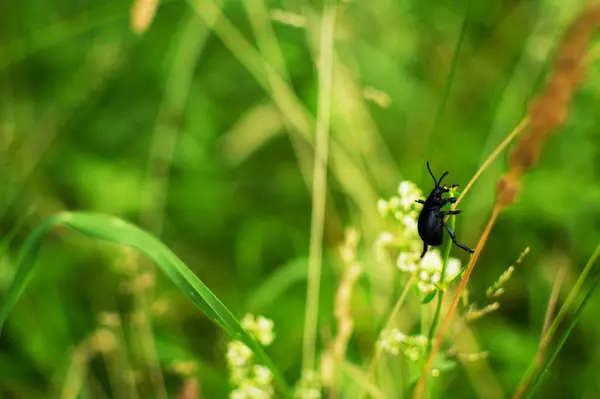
(429, 297)
(118, 231)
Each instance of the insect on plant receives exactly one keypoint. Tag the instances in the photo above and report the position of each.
(431, 219)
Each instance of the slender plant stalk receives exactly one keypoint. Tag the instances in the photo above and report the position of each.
(446, 323)
(270, 51)
(433, 350)
(557, 320)
(550, 312)
(319, 184)
(564, 336)
(501, 147)
(77, 371)
(118, 361)
(352, 270)
(388, 325)
(440, 295)
(539, 358)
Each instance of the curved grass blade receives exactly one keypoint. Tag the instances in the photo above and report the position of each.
(112, 229)
(564, 337)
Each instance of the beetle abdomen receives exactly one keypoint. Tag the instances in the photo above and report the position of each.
(430, 229)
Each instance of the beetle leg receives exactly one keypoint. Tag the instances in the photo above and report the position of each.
(420, 201)
(452, 212)
(453, 237)
(451, 200)
(424, 250)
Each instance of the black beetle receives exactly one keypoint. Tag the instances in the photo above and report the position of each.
(431, 218)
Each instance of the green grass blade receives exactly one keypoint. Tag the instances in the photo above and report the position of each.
(575, 291)
(564, 337)
(442, 107)
(115, 230)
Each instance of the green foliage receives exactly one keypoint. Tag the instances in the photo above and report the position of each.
(201, 131)
(120, 232)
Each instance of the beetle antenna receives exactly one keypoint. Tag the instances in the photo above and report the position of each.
(440, 181)
(432, 176)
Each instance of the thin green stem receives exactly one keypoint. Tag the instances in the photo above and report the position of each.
(436, 123)
(574, 292)
(440, 296)
(388, 325)
(436, 346)
(557, 320)
(501, 147)
(319, 185)
(564, 336)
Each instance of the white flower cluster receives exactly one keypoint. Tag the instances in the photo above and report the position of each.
(405, 210)
(252, 381)
(429, 270)
(260, 327)
(412, 346)
(407, 242)
(309, 386)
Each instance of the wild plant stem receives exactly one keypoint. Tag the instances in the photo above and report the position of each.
(77, 371)
(440, 296)
(516, 131)
(564, 337)
(319, 185)
(388, 325)
(554, 326)
(550, 312)
(539, 358)
(432, 351)
(446, 324)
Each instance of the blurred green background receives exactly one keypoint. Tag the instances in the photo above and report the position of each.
(201, 130)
